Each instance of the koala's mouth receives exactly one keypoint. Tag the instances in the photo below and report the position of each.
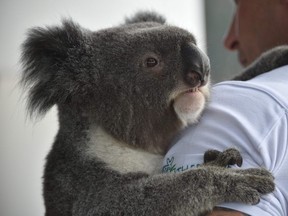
(182, 90)
(189, 91)
(193, 90)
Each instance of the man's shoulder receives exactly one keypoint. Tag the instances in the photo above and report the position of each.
(270, 86)
(279, 75)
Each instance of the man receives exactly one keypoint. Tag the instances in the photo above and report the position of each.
(251, 116)
(257, 26)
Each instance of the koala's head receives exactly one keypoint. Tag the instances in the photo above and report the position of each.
(140, 81)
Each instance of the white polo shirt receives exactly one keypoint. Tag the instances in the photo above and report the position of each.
(253, 117)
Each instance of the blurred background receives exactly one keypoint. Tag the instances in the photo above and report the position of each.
(24, 142)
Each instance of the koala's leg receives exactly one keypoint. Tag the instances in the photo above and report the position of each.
(192, 193)
(268, 61)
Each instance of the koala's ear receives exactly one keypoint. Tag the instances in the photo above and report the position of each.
(43, 54)
(146, 16)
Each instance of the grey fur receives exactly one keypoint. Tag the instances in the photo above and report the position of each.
(104, 90)
(144, 16)
(268, 61)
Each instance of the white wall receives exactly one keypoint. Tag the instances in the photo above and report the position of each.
(24, 143)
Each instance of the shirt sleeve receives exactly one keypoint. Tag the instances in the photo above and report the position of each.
(247, 117)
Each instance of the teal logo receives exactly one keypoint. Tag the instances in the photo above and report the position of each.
(172, 167)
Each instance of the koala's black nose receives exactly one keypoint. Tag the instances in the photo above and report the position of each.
(196, 66)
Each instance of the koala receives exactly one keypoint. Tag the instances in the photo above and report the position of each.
(122, 94)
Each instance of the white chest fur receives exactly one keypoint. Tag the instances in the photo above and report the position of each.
(119, 156)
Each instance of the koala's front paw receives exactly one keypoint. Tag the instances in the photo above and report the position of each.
(256, 172)
(228, 157)
(250, 185)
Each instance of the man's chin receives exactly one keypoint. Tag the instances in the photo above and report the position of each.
(242, 60)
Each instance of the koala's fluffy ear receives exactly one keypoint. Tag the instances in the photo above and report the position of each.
(43, 55)
(146, 16)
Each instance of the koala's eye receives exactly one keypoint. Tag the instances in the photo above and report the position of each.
(151, 62)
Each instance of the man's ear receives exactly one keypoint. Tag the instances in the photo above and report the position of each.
(43, 54)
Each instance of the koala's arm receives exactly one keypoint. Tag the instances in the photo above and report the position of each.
(194, 192)
(268, 61)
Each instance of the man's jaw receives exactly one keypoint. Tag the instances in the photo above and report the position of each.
(242, 59)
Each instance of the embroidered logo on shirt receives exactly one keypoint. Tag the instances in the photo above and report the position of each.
(173, 167)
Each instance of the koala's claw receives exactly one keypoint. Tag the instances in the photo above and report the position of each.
(248, 195)
(230, 156)
(250, 185)
(211, 155)
(256, 172)
(262, 184)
